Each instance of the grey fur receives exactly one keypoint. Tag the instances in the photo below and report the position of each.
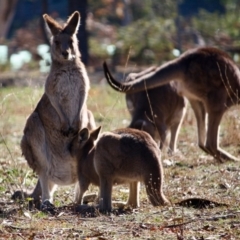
(117, 157)
(60, 113)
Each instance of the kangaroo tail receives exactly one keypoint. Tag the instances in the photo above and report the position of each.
(154, 190)
(172, 70)
(111, 80)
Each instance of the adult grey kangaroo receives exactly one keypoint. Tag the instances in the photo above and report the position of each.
(117, 157)
(157, 111)
(208, 78)
(59, 115)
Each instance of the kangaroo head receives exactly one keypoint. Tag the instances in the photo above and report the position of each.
(83, 142)
(64, 43)
(86, 135)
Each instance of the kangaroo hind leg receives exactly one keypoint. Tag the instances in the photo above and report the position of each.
(214, 119)
(200, 114)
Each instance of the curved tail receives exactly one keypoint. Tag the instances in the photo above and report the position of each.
(153, 185)
(111, 80)
(172, 70)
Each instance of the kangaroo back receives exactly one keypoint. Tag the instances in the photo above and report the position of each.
(127, 156)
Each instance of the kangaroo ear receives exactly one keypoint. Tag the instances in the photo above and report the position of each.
(54, 27)
(72, 23)
(83, 135)
(94, 134)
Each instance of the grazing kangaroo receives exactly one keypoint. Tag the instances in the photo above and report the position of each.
(208, 78)
(59, 115)
(156, 111)
(121, 156)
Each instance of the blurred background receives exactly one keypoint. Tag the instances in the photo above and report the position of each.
(124, 32)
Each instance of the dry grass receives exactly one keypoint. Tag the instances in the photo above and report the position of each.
(192, 173)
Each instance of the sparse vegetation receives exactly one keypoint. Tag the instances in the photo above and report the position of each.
(189, 173)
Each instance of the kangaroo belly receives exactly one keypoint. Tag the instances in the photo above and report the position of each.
(63, 171)
(126, 179)
(186, 90)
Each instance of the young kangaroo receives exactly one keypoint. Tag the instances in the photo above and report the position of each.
(121, 156)
(60, 113)
(156, 111)
(208, 78)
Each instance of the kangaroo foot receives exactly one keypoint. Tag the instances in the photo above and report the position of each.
(48, 207)
(223, 156)
(19, 195)
(24, 196)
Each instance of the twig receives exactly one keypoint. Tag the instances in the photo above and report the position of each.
(5, 170)
(214, 218)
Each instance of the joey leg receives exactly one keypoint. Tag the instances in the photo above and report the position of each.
(133, 199)
(105, 201)
(80, 189)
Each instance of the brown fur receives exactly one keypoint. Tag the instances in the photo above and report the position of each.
(117, 157)
(208, 78)
(59, 114)
(156, 111)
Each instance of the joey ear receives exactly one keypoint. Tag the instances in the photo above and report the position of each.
(73, 23)
(83, 135)
(54, 27)
(94, 134)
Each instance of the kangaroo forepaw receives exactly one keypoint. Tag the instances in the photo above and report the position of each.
(70, 131)
(65, 132)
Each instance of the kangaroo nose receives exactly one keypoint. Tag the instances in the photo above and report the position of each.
(65, 54)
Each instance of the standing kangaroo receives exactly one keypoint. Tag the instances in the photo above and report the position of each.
(156, 111)
(121, 156)
(208, 78)
(59, 115)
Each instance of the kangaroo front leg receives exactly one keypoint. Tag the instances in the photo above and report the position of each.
(65, 125)
(105, 201)
(133, 199)
(212, 138)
